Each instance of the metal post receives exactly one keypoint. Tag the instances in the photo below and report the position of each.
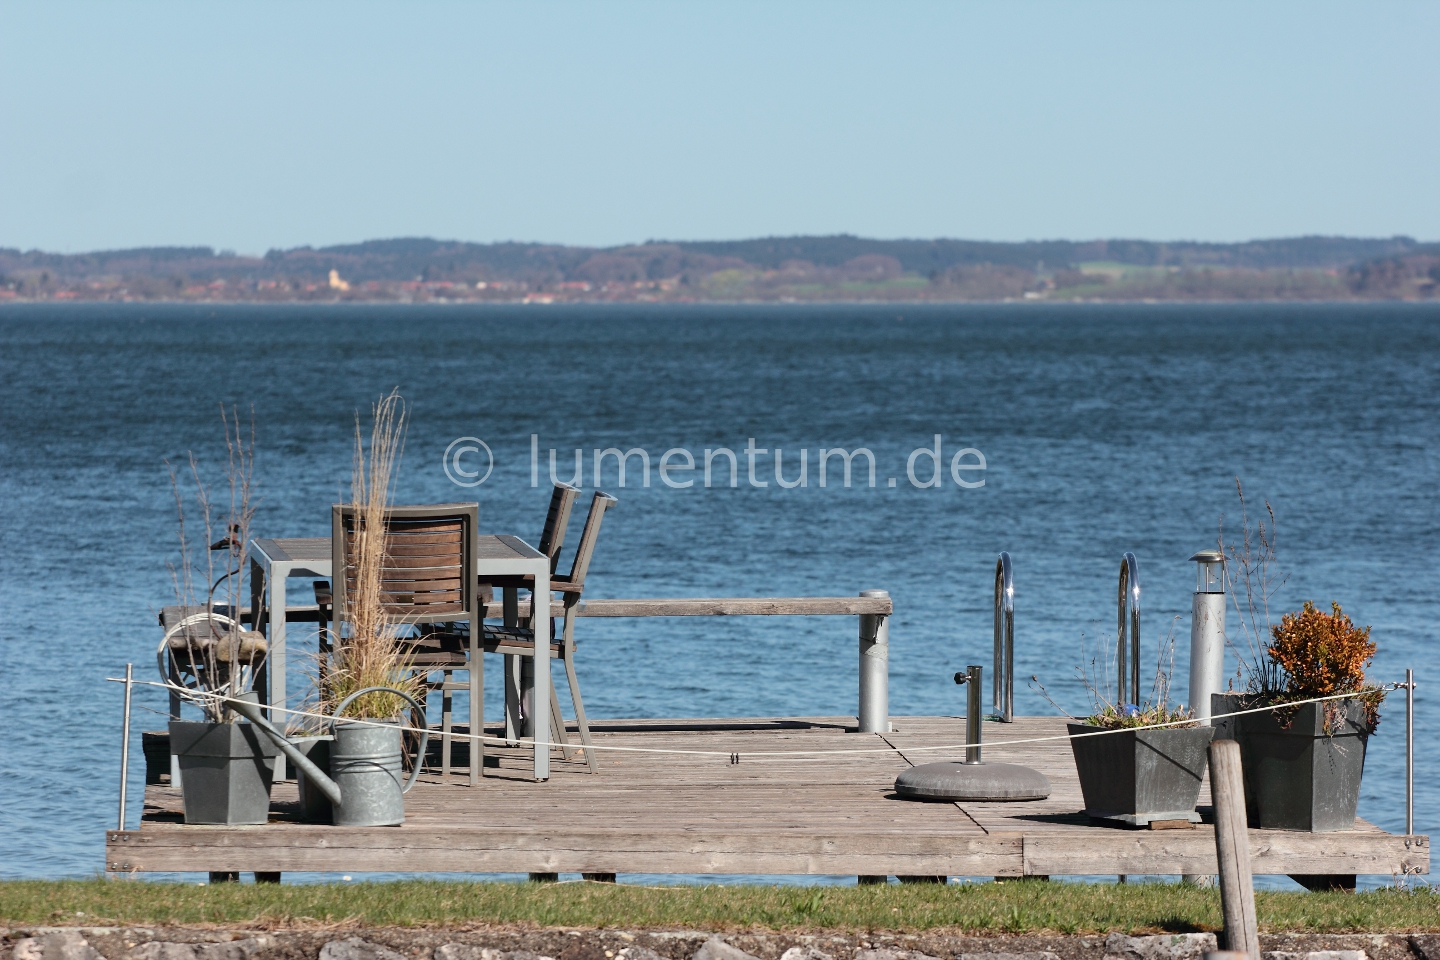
(1004, 682)
(125, 743)
(874, 709)
(1207, 633)
(1409, 752)
(972, 679)
(1127, 633)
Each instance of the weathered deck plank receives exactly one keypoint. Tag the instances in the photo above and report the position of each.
(683, 813)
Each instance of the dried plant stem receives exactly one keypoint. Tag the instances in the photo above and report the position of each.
(1252, 579)
(229, 664)
(1096, 679)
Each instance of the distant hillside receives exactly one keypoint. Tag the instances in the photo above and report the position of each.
(772, 268)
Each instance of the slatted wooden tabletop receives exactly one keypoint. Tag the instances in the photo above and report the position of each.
(825, 812)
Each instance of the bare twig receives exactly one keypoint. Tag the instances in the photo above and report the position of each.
(1252, 578)
(214, 659)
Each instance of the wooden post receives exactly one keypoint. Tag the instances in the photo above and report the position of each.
(1232, 849)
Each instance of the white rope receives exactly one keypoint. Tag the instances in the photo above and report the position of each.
(801, 756)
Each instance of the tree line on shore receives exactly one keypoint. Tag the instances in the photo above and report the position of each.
(821, 269)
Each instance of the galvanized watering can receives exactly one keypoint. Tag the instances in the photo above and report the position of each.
(365, 776)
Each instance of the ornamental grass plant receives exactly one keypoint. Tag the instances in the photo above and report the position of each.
(372, 651)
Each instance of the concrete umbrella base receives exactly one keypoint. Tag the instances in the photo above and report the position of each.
(952, 780)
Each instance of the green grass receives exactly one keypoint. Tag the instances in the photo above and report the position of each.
(995, 908)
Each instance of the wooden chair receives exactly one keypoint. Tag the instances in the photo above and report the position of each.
(444, 647)
(552, 540)
(519, 641)
(427, 580)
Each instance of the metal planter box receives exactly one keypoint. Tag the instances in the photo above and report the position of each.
(1298, 777)
(225, 771)
(1136, 776)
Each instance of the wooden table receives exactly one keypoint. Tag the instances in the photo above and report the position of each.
(272, 561)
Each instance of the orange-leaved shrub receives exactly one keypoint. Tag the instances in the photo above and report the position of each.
(1321, 653)
(1324, 654)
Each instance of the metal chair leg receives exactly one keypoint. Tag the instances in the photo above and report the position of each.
(562, 739)
(581, 720)
(446, 719)
(476, 716)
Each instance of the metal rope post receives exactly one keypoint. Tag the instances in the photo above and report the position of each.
(1409, 752)
(125, 742)
(1004, 682)
(1127, 633)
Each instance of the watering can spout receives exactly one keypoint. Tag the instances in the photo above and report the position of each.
(248, 706)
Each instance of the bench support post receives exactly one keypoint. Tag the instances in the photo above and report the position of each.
(874, 709)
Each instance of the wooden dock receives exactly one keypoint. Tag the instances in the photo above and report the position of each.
(685, 814)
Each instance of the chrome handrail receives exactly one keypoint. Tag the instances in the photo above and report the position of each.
(1127, 655)
(1004, 679)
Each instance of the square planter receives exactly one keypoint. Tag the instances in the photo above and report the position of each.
(225, 771)
(1298, 777)
(1136, 776)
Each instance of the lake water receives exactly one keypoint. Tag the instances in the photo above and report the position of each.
(1104, 429)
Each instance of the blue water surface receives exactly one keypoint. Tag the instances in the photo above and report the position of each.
(1103, 428)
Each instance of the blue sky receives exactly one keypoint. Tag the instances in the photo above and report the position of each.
(258, 125)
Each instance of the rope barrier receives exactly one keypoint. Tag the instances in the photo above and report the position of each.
(774, 756)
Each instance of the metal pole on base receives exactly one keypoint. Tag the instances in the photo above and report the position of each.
(972, 676)
(125, 743)
(874, 709)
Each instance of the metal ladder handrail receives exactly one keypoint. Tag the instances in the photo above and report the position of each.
(1004, 679)
(1127, 655)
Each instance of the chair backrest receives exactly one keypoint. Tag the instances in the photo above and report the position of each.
(557, 518)
(427, 573)
(591, 533)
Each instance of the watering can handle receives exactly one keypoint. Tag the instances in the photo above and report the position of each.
(424, 733)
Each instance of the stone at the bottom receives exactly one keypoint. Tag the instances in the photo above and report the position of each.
(354, 948)
(717, 949)
(60, 945)
(805, 953)
(1173, 946)
(952, 780)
